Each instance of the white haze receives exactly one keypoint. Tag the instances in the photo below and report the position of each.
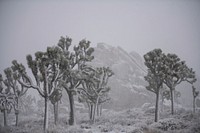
(29, 26)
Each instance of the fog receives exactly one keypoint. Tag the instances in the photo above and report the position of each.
(29, 26)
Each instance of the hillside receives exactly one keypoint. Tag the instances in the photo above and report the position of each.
(127, 84)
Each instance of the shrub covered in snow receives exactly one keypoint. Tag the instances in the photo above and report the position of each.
(170, 124)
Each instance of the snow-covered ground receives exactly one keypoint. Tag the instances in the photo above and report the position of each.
(135, 120)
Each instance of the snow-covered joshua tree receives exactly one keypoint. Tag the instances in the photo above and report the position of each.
(94, 88)
(176, 71)
(45, 72)
(73, 63)
(155, 76)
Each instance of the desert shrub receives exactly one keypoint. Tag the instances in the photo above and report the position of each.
(85, 126)
(169, 124)
(195, 128)
(107, 127)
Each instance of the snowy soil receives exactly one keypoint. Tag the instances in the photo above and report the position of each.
(129, 121)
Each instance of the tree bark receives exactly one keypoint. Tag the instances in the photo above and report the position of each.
(194, 104)
(172, 100)
(72, 114)
(162, 104)
(55, 113)
(16, 113)
(95, 108)
(46, 116)
(157, 107)
(5, 117)
(98, 112)
(17, 117)
(91, 111)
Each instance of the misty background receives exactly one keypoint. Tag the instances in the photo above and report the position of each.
(140, 26)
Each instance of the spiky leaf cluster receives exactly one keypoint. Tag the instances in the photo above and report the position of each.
(7, 98)
(168, 69)
(95, 85)
(154, 60)
(73, 62)
(56, 96)
(177, 71)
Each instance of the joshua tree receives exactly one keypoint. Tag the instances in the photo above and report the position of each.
(155, 76)
(176, 71)
(94, 89)
(195, 94)
(73, 62)
(17, 89)
(46, 73)
(7, 99)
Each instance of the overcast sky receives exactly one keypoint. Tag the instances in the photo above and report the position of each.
(172, 25)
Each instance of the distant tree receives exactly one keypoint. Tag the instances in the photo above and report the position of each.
(27, 104)
(195, 94)
(154, 60)
(176, 71)
(165, 94)
(94, 89)
(17, 89)
(40, 107)
(105, 98)
(6, 98)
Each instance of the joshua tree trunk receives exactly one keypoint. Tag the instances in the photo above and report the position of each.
(46, 116)
(157, 107)
(5, 117)
(162, 104)
(95, 108)
(194, 100)
(90, 106)
(98, 108)
(72, 114)
(16, 113)
(100, 111)
(91, 111)
(172, 100)
(17, 117)
(55, 106)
